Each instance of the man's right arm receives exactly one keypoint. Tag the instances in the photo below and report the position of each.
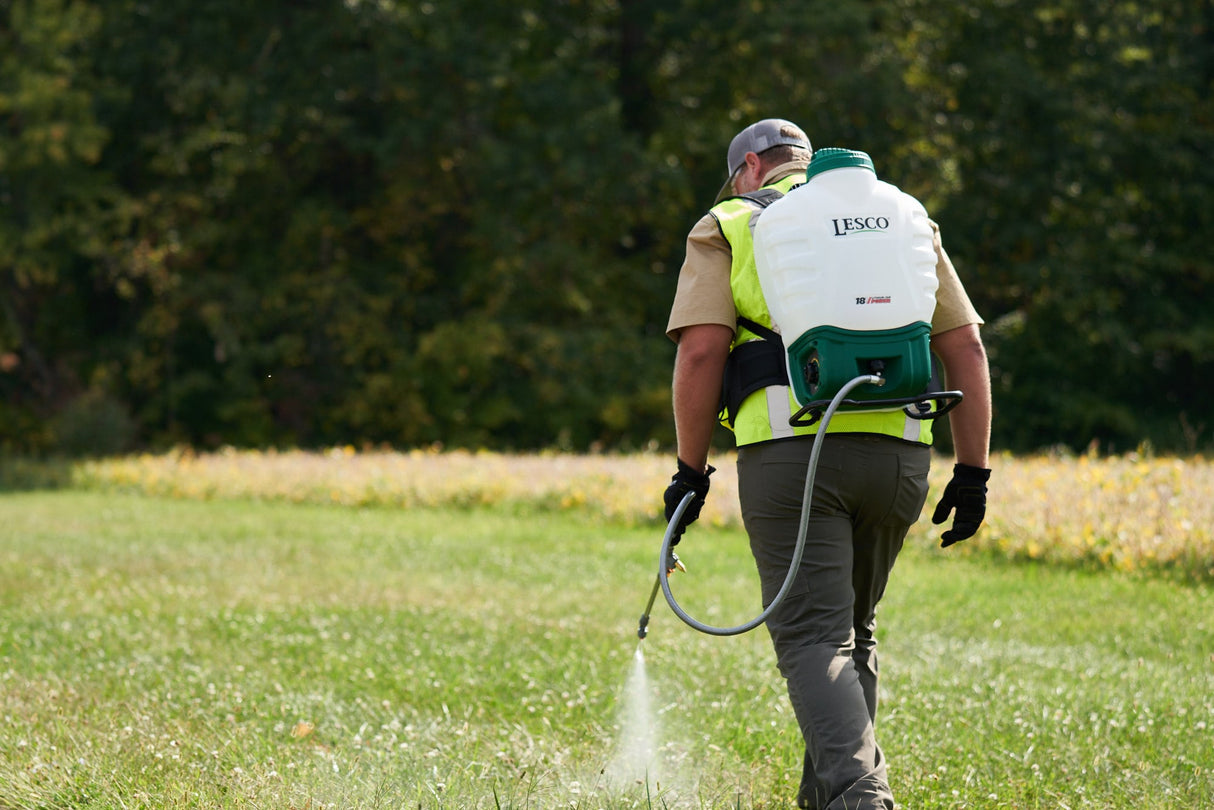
(699, 367)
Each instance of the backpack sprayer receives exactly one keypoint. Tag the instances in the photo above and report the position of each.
(847, 265)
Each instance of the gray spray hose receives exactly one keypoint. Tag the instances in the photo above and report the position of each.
(802, 530)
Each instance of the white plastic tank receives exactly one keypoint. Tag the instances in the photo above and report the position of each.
(849, 257)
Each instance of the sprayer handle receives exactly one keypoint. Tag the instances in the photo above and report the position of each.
(945, 401)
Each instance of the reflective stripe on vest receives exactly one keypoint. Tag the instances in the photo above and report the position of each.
(764, 414)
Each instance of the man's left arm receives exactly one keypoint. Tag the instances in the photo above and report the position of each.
(966, 368)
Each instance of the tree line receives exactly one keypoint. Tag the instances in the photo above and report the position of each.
(388, 222)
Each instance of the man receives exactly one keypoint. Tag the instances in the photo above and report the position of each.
(871, 481)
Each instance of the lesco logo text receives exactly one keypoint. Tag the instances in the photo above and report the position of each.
(846, 226)
(873, 299)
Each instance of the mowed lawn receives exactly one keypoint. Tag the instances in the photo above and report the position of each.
(161, 653)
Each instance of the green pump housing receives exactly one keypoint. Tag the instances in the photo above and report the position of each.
(828, 357)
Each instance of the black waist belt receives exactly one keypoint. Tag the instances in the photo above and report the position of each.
(751, 366)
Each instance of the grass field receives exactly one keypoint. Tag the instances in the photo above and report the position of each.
(255, 648)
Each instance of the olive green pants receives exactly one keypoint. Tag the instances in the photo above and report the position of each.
(868, 491)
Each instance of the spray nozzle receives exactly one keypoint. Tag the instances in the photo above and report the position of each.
(672, 563)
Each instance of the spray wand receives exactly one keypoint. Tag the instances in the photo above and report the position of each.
(672, 562)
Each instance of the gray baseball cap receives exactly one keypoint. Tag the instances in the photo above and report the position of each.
(759, 137)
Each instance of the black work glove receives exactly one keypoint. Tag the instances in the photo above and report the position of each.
(966, 493)
(684, 481)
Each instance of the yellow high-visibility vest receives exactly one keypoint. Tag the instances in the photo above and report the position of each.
(764, 415)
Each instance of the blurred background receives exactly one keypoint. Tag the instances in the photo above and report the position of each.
(405, 224)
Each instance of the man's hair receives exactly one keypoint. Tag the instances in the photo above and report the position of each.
(784, 153)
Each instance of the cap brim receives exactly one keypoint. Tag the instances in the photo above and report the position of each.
(726, 190)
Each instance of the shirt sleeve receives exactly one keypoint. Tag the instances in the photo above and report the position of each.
(703, 295)
(953, 306)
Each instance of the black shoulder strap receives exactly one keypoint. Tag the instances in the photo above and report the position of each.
(764, 196)
(758, 363)
(761, 330)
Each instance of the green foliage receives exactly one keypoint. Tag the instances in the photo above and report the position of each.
(374, 222)
(1087, 143)
(95, 424)
(58, 205)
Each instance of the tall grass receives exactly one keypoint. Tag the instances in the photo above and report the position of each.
(1131, 513)
(180, 653)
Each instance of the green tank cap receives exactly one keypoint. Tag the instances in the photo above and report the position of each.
(833, 157)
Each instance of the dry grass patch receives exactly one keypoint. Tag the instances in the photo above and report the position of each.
(1133, 512)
